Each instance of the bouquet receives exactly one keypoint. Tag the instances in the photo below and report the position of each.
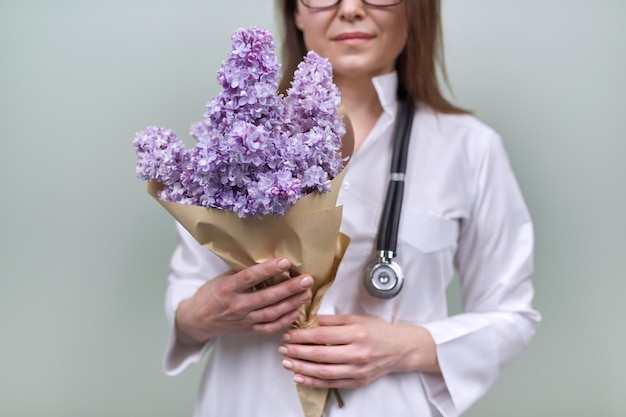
(263, 177)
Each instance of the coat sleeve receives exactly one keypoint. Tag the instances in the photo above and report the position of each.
(190, 267)
(495, 264)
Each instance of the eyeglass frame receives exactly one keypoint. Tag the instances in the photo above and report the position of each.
(366, 2)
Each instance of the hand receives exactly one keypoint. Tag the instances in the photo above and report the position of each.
(349, 351)
(229, 303)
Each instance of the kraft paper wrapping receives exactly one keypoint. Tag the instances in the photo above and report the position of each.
(313, 400)
(307, 234)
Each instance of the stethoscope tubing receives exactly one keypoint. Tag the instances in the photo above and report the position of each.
(390, 220)
(384, 278)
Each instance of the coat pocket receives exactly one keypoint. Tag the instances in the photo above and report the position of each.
(426, 247)
(428, 233)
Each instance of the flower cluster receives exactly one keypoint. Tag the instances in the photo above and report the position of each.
(256, 152)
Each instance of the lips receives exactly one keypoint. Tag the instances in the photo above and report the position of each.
(348, 36)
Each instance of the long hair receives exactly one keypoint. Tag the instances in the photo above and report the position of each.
(417, 65)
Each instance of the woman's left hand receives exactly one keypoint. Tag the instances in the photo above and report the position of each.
(349, 351)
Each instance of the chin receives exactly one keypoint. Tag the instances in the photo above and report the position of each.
(358, 68)
(360, 72)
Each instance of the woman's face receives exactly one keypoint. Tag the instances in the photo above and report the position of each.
(357, 39)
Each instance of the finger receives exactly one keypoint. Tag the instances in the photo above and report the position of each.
(256, 274)
(315, 354)
(272, 327)
(323, 335)
(309, 381)
(285, 290)
(327, 376)
(272, 311)
(336, 319)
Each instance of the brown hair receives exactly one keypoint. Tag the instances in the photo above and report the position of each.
(417, 65)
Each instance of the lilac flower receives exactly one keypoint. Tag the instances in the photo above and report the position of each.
(161, 157)
(256, 151)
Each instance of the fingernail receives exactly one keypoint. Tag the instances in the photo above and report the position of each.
(286, 337)
(283, 264)
(298, 379)
(282, 350)
(306, 282)
(287, 364)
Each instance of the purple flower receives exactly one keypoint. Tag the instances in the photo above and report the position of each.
(161, 157)
(256, 151)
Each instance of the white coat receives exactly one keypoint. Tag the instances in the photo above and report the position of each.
(462, 211)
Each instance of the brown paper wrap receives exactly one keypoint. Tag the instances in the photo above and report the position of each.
(307, 234)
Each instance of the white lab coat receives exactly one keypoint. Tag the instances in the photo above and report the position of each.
(462, 211)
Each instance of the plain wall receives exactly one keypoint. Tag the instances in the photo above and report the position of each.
(84, 250)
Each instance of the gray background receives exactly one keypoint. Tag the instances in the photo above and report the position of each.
(84, 249)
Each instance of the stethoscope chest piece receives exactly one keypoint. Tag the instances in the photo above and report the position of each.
(384, 278)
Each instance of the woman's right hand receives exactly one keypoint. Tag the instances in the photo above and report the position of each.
(228, 304)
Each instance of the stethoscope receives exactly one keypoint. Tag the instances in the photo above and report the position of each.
(384, 277)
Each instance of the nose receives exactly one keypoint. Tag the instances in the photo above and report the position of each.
(351, 10)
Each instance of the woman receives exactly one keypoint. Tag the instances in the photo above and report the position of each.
(462, 211)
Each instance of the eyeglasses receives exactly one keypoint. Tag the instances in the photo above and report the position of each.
(327, 4)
